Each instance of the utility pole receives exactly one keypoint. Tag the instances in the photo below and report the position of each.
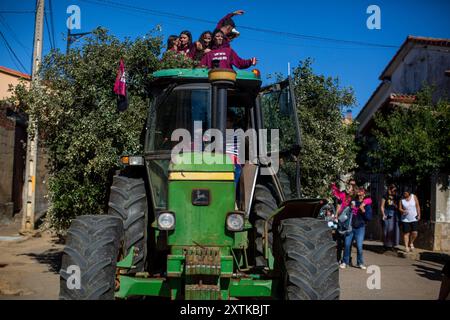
(29, 196)
(72, 37)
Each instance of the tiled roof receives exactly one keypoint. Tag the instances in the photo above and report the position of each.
(403, 98)
(15, 73)
(407, 45)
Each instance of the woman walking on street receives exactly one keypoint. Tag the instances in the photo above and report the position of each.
(410, 211)
(389, 211)
(362, 209)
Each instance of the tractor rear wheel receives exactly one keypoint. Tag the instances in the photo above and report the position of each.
(308, 260)
(128, 201)
(88, 270)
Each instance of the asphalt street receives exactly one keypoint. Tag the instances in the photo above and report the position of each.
(400, 278)
(29, 270)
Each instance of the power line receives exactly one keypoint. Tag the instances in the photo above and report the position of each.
(11, 51)
(15, 37)
(48, 31)
(275, 32)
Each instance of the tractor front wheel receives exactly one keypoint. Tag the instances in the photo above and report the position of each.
(264, 204)
(88, 270)
(128, 201)
(308, 260)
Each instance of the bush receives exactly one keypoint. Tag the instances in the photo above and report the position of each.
(75, 110)
(329, 148)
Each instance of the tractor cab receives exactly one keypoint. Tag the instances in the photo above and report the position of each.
(212, 209)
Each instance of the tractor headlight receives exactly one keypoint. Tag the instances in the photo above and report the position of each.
(132, 160)
(166, 221)
(235, 221)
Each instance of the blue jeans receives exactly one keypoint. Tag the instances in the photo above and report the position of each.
(391, 229)
(358, 235)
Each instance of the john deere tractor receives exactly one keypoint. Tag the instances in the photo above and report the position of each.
(195, 225)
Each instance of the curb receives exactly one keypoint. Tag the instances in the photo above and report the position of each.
(20, 240)
(417, 254)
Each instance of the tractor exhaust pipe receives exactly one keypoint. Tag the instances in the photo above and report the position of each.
(221, 80)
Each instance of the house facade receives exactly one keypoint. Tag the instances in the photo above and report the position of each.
(419, 61)
(12, 137)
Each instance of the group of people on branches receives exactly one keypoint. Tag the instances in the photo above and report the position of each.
(213, 49)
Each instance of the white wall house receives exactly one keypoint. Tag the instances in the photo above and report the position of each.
(419, 61)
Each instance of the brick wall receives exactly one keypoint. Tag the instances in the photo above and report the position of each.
(7, 132)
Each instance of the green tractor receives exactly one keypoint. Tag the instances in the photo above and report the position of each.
(187, 226)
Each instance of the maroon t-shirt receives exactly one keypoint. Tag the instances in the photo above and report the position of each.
(227, 59)
(189, 51)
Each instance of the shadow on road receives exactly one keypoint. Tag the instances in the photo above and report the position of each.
(435, 257)
(428, 272)
(374, 248)
(51, 257)
(380, 249)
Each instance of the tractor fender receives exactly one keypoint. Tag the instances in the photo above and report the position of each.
(295, 208)
(298, 208)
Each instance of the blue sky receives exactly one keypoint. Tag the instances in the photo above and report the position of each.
(356, 66)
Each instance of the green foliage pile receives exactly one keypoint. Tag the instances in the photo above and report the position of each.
(413, 141)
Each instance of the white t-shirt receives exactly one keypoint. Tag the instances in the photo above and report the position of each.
(410, 214)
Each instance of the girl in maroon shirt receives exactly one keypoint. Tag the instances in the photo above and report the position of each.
(173, 43)
(226, 56)
(186, 46)
(203, 45)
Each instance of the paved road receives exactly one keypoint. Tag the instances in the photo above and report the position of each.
(401, 279)
(29, 270)
(29, 266)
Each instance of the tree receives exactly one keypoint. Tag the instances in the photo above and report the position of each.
(328, 145)
(413, 141)
(75, 110)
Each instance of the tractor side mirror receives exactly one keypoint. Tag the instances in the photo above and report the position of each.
(285, 103)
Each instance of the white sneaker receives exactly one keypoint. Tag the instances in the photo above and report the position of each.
(361, 266)
(412, 247)
(342, 265)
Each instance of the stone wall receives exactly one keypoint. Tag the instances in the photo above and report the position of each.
(442, 236)
(442, 213)
(423, 64)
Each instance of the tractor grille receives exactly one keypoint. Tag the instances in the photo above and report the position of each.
(202, 292)
(202, 261)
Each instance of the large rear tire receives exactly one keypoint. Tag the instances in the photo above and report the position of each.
(308, 260)
(92, 248)
(128, 201)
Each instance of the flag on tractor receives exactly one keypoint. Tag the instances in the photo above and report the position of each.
(120, 88)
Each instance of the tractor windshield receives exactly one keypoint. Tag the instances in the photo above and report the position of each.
(178, 110)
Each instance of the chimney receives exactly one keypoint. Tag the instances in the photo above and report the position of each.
(348, 115)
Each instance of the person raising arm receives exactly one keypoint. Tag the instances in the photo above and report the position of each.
(228, 27)
(226, 57)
